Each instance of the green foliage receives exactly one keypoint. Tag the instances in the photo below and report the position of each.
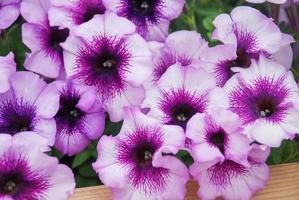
(11, 40)
(286, 153)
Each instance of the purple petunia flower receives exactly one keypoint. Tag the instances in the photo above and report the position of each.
(266, 98)
(80, 118)
(43, 40)
(181, 93)
(151, 17)
(135, 163)
(220, 61)
(7, 67)
(183, 47)
(26, 172)
(111, 57)
(260, 36)
(217, 136)
(232, 180)
(70, 13)
(272, 1)
(29, 105)
(9, 12)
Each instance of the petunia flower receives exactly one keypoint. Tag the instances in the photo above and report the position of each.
(29, 105)
(136, 163)
(26, 172)
(80, 117)
(231, 180)
(70, 13)
(180, 93)
(7, 67)
(217, 136)
(265, 97)
(111, 57)
(220, 61)
(259, 37)
(271, 1)
(183, 47)
(9, 12)
(43, 40)
(151, 17)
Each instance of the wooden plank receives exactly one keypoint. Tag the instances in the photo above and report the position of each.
(283, 184)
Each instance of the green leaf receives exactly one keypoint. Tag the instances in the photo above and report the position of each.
(86, 182)
(11, 40)
(81, 158)
(112, 128)
(86, 170)
(185, 157)
(56, 154)
(208, 23)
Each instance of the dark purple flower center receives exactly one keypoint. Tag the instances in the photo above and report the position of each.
(180, 105)
(264, 97)
(222, 173)
(136, 153)
(218, 138)
(103, 64)
(11, 184)
(69, 118)
(19, 181)
(265, 107)
(142, 12)
(85, 10)
(246, 47)
(243, 59)
(57, 36)
(17, 116)
(143, 154)
(181, 113)
(223, 70)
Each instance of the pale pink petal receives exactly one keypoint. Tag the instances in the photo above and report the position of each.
(50, 66)
(34, 85)
(7, 67)
(71, 144)
(47, 129)
(8, 14)
(95, 124)
(63, 183)
(31, 33)
(173, 8)
(47, 103)
(110, 173)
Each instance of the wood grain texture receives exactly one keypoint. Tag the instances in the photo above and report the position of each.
(283, 185)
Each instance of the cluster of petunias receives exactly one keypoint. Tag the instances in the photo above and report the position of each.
(226, 105)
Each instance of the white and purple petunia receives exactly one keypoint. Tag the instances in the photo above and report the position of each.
(29, 105)
(221, 62)
(80, 117)
(151, 17)
(111, 57)
(182, 47)
(26, 172)
(265, 96)
(9, 12)
(71, 13)
(253, 34)
(43, 40)
(7, 67)
(179, 94)
(139, 160)
(271, 1)
(232, 180)
(217, 136)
